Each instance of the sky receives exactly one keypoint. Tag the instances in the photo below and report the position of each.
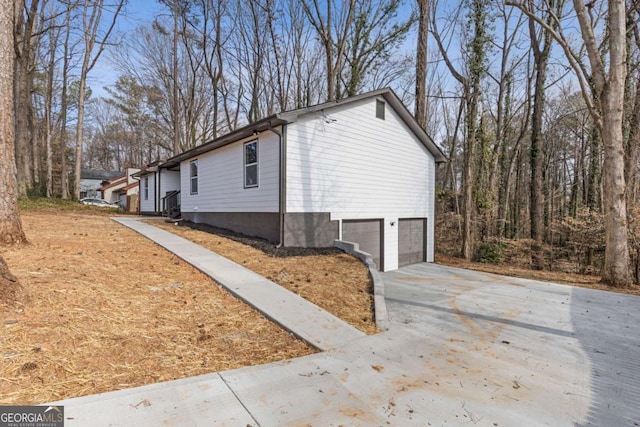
(136, 13)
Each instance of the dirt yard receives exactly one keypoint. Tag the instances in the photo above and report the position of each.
(581, 280)
(329, 278)
(109, 309)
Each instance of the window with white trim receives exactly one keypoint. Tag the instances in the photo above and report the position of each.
(146, 188)
(251, 164)
(193, 173)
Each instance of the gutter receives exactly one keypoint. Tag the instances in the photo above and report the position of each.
(281, 184)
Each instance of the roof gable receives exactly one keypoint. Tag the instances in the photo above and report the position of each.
(98, 174)
(119, 180)
(291, 116)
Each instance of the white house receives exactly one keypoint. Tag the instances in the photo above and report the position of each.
(122, 189)
(159, 189)
(359, 169)
(91, 180)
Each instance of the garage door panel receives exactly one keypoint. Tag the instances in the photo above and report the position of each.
(367, 233)
(411, 241)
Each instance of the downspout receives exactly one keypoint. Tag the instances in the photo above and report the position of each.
(157, 201)
(281, 186)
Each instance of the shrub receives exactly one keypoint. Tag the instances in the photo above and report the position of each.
(488, 253)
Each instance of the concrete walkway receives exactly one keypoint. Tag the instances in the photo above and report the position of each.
(464, 348)
(302, 318)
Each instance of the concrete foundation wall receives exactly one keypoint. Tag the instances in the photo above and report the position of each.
(311, 230)
(259, 224)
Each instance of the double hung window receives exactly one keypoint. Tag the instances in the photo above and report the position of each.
(193, 173)
(251, 164)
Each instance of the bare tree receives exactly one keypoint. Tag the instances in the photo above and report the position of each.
(92, 22)
(177, 10)
(333, 32)
(603, 93)
(54, 38)
(541, 48)
(471, 86)
(64, 101)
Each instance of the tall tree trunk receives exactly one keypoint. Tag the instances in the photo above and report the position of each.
(79, 135)
(24, 69)
(174, 101)
(536, 158)
(633, 150)
(64, 102)
(594, 177)
(10, 225)
(421, 64)
(471, 85)
(469, 177)
(617, 253)
(610, 96)
(47, 116)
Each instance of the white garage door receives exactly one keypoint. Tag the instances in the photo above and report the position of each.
(367, 233)
(411, 241)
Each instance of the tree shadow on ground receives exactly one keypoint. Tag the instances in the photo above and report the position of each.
(607, 326)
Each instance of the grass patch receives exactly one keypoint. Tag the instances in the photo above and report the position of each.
(56, 204)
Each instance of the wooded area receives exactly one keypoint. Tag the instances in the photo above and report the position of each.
(536, 103)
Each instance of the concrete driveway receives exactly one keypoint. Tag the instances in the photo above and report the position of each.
(502, 351)
(464, 348)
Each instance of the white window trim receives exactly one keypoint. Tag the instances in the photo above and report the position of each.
(257, 163)
(191, 177)
(146, 188)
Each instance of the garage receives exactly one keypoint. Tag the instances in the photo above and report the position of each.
(411, 240)
(367, 233)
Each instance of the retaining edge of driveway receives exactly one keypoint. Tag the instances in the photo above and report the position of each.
(380, 306)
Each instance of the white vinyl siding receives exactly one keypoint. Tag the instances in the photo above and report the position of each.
(169, 181)
(221, 178)
(348, 162)
(147, 204)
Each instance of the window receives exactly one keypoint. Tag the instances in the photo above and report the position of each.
(380, 109)
(193, 172)
(251, 164)
(146, 188)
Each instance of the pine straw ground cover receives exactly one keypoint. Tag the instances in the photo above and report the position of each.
(108, 309)
(329, 278)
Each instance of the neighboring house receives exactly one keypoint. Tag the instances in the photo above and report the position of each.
(159, 189)
(359, 169)
(122, 189)
(91, 180)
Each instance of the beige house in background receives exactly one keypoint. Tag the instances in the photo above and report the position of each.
(123, 190)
